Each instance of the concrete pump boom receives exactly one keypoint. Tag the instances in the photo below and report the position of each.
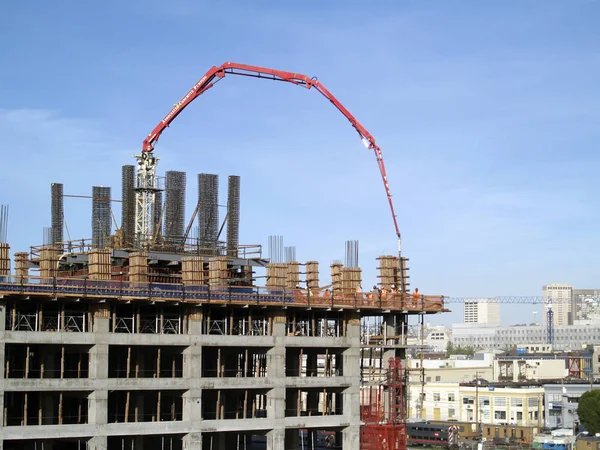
(216, 73)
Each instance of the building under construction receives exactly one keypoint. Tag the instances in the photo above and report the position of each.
(162, 333)
(176, 342)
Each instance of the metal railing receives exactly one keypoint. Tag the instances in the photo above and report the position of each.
(83, 287)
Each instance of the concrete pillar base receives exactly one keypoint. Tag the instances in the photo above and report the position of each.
(192, 441)
(98, 443)
(276, 439)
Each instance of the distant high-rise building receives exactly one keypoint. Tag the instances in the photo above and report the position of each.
(482, 310)
(560, 296)
(585, 305)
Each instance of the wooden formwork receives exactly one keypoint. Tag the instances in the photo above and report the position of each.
(218, 274)
(312, 275)
(100, 264)
(276, 275)
(292, 275)
(248, 276)
(389, 271)
(49, 261)
(192, 270)
(138, 267)
(336, 278)
(22, 266)
(404, 284)
(4, 259)
(351, 278)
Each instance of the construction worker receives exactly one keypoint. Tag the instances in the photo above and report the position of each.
(383, 293)
(327, 293)
(416, 297)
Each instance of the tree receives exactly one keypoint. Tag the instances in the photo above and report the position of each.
(589, 411)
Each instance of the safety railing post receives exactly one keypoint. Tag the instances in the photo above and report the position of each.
(229, 288)
(54, 286)
(150, 290)
(208, 293)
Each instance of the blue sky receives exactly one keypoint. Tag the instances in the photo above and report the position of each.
(487, 114)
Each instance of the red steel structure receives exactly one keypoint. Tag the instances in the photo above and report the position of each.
(383, 426)
(217, 73)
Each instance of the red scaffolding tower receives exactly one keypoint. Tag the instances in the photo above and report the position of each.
(383, 423)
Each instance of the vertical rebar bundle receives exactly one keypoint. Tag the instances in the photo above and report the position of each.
(101, 220)
(47, 236)
(351, 254)
(157, 211)
(233, 215)
(128, 205)
(290, 254)
(57, 212)
(3, 223)
(208, 212)
(174, 207)
(275, 249)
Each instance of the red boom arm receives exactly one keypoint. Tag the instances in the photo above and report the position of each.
(216, 73)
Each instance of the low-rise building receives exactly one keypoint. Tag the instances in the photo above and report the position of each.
(501, 405)
(515, 366)
(562, 400)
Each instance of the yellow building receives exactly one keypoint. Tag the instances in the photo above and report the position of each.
(497, 405)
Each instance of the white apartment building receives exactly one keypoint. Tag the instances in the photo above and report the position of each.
(489, 337)
(559, 296)
(482, 311)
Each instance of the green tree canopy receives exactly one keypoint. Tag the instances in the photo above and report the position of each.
(589, 411)
(458, 350)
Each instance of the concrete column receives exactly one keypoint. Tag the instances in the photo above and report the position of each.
(391, 321)
(98, 408)
(276, 440)
(97, 443)
(192, 406)
(351, 395)
(98, 361)
(192, 368)
(195, 322)
(192, 361)
(276, 370)
(192, 441)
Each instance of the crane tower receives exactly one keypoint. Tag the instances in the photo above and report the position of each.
(145, 197)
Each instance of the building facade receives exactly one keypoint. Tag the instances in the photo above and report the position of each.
(561, 402)
(497, 405)
(481, 311)
(484, 337)
(559, 297)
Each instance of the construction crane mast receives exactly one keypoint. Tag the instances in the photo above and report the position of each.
(146, 171)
